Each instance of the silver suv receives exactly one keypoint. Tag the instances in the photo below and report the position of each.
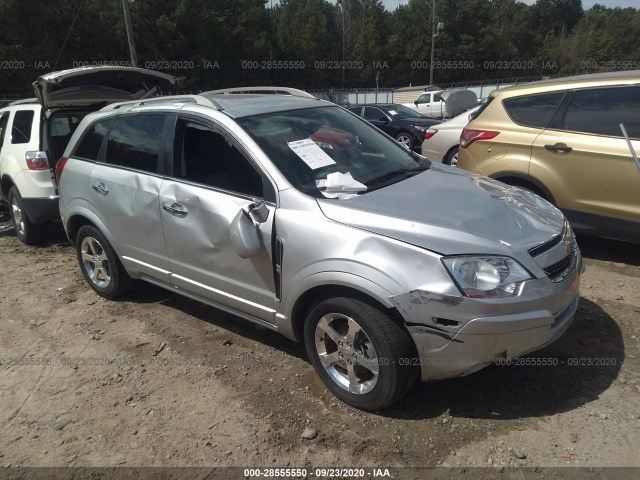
(294, 213)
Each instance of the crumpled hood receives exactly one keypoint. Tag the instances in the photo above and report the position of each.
(451, 211)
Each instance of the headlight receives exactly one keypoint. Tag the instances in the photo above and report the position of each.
(419, 128)
(487, 277)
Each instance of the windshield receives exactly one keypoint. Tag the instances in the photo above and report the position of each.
(326, 150)
(400, 111)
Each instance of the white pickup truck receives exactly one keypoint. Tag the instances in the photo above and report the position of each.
(430, 104)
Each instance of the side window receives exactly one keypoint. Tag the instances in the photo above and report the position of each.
(89, 146)
(355, 110)
(601, 111)
(372, 113)
(424, 98)
(202, 155)
(21, 129)
(134, 142)
(4, 118)
(533, 110)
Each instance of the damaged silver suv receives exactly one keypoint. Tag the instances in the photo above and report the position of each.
(296, 214)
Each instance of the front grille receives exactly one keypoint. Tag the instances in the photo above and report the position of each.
(558, 268)
(546, 246)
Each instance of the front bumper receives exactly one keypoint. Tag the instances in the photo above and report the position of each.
(456, 336)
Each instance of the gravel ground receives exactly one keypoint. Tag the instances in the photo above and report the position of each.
(159, 380)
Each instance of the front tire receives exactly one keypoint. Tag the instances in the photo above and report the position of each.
(26, 231)
(100, 265)
(403, 138)
(363, 356)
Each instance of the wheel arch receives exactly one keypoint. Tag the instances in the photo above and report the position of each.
(6, 183)
(307, 298)
(79, 219)
(522, 179)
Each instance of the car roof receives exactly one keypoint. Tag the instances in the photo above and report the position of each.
(236, 103)
(384, 105)
(577, 81)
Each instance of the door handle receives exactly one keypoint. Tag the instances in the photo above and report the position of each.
(175, 209)
(560, 148)
(101, 188)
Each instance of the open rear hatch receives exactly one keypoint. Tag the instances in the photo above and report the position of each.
(98, 85)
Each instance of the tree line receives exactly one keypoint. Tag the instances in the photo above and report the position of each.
(317, 44)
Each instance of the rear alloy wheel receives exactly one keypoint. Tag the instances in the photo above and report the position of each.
(100, 264)
(452, 158)
(405, 139)
(361, 355)
(26, 231)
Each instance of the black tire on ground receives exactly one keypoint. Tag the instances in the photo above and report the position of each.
(26, 231)
(360, 326)
(100, 265)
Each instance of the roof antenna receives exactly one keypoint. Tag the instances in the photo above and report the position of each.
(67, 38)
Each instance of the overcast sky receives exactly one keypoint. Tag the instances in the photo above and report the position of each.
(586, 4)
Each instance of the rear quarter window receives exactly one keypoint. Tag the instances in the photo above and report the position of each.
(533, 110)
(21, 128)
(601, 111)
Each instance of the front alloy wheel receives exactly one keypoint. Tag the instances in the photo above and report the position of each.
(361, 355)
(347, 353)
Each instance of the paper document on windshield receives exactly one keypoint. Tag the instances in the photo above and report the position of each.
(310, 153)
(340, 185)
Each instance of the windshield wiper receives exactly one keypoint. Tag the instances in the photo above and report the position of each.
(403, 172)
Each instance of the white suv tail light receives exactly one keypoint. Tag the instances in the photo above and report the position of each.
(37, 160)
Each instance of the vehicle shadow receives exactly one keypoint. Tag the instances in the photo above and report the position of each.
(608, 250)
(584, 363)
(147, 293)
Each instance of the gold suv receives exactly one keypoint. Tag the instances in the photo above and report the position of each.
(562, 139)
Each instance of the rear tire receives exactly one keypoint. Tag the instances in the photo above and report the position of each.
(26, 231)
(365, 358)
(403, 138)
(100, 265)
(452, 157)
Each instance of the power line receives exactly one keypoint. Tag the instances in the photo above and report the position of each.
(67, 37)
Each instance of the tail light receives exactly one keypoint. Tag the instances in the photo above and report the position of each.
(59, 166)
(469, 136)
(37, 160)
(430, 133)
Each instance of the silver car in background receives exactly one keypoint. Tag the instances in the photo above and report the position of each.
(295, 214)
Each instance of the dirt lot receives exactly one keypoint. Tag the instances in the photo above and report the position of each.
(223, 392)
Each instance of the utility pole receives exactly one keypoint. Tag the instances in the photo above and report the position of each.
(433, 39)
(129, 25)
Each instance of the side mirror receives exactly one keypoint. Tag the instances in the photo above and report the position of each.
(244, 231)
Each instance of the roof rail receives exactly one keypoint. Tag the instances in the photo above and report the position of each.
(197, 99)
(294, 92)
(23, 101)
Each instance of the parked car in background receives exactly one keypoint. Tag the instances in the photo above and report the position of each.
(441, 141)
(35, 132)
(405, 125)
(295, 214)
(430, 104)
(562, 139)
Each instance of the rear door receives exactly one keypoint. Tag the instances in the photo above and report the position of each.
(585, 161)
(213, 179)
(125, 191)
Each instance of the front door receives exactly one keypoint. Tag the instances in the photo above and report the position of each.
(212, 181)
